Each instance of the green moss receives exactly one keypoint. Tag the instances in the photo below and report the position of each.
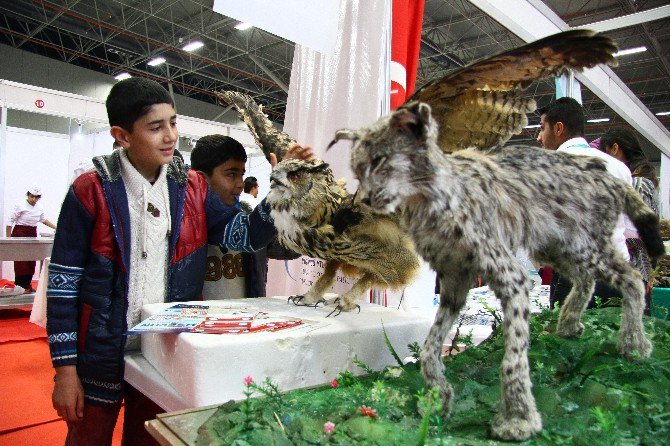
(586, 393)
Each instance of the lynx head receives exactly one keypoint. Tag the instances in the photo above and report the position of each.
(304, 188)
(390, 156)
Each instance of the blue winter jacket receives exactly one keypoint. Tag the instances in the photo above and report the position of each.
(88, 275)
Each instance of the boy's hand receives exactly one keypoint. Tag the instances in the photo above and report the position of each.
(296, 151)
(300, 152)
(68, 394)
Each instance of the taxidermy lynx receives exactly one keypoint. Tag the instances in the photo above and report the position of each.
(468, 212)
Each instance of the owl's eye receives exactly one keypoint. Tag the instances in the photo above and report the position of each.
(294, 176)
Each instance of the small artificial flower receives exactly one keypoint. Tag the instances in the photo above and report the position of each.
(329, 427)
(368, 411)
(248, 380)
(334, 384)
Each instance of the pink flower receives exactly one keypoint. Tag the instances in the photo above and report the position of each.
(329, 427)
(368, 411)
(248, 380)
(334, 384)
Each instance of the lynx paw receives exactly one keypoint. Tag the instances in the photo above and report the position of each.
(516, 428)
(570, 328)
(634, 346)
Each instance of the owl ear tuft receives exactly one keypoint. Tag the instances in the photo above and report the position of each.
(343, 134)
(411, 119)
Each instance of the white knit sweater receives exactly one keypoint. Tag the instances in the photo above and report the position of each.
(149, 207)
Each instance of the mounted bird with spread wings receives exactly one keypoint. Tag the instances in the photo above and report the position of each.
(316, 216)
(481, 105)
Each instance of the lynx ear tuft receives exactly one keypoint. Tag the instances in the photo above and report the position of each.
(411, 119)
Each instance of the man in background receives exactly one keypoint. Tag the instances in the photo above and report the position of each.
(562, 128)
(250, 193)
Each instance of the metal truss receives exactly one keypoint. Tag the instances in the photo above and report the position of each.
(111, 36)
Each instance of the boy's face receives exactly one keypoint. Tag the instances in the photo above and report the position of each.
(227, 180)
(151, 142)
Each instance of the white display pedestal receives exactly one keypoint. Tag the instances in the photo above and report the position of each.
(195, 370)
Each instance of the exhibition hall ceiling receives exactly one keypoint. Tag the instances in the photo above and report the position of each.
(127, 35)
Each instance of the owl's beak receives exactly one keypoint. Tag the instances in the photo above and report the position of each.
(342, 134)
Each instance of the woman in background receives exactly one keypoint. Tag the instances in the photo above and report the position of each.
(23, 223)
(622, 143)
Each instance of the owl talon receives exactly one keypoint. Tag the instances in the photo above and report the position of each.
(297, 299)
(338, 309)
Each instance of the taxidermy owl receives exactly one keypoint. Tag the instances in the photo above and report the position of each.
(317, 217)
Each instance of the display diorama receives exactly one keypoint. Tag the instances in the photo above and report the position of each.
(587, 395)
(437, 165)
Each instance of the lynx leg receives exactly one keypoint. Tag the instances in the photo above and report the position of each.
(453, 293)
(633, 343)
(518, 418)
(570, 317)
(315, 294)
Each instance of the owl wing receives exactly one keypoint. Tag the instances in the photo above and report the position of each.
(481, 105)
(268, 138)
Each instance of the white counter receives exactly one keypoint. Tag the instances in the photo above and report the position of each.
(206, 369)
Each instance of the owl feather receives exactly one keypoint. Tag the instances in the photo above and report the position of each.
(316, 216)
(481, 106)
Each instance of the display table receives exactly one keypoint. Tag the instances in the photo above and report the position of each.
(198, 370)
(23, 248)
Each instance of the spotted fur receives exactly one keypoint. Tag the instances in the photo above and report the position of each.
(315, 216)
(469, 212)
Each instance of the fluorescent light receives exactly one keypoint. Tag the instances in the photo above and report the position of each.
(243, 25)
(533, 126)
(156, 61)
(663, 113)
(637, 49)
(192, 46)
(599, 120)
(122, 76)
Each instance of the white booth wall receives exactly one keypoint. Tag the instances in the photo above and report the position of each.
(51, 159)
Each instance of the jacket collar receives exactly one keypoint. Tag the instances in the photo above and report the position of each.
(109, 168)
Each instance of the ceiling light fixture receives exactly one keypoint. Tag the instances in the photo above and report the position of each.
(243, 26)
(156, 61)
(637, 49)
(192, 46)
(122, 76)
(663, 113)
(533, 126)
(598, 120)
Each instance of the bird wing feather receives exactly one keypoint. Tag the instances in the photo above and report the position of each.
(267, 136)
(480, 104)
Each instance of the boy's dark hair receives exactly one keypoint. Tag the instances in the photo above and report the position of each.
(130, 99)
(250, 183)
(213, 150)
(569, 112)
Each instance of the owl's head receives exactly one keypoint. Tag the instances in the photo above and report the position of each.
(296, 182)
(389, 156)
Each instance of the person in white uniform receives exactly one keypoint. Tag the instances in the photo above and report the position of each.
(250, 193)
(562, 125)
(23, 221)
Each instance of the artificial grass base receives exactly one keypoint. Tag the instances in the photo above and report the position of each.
(586, 394)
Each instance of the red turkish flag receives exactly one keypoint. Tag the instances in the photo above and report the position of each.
(405, 41)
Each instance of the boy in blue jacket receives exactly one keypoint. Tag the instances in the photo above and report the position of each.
(132, 231)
